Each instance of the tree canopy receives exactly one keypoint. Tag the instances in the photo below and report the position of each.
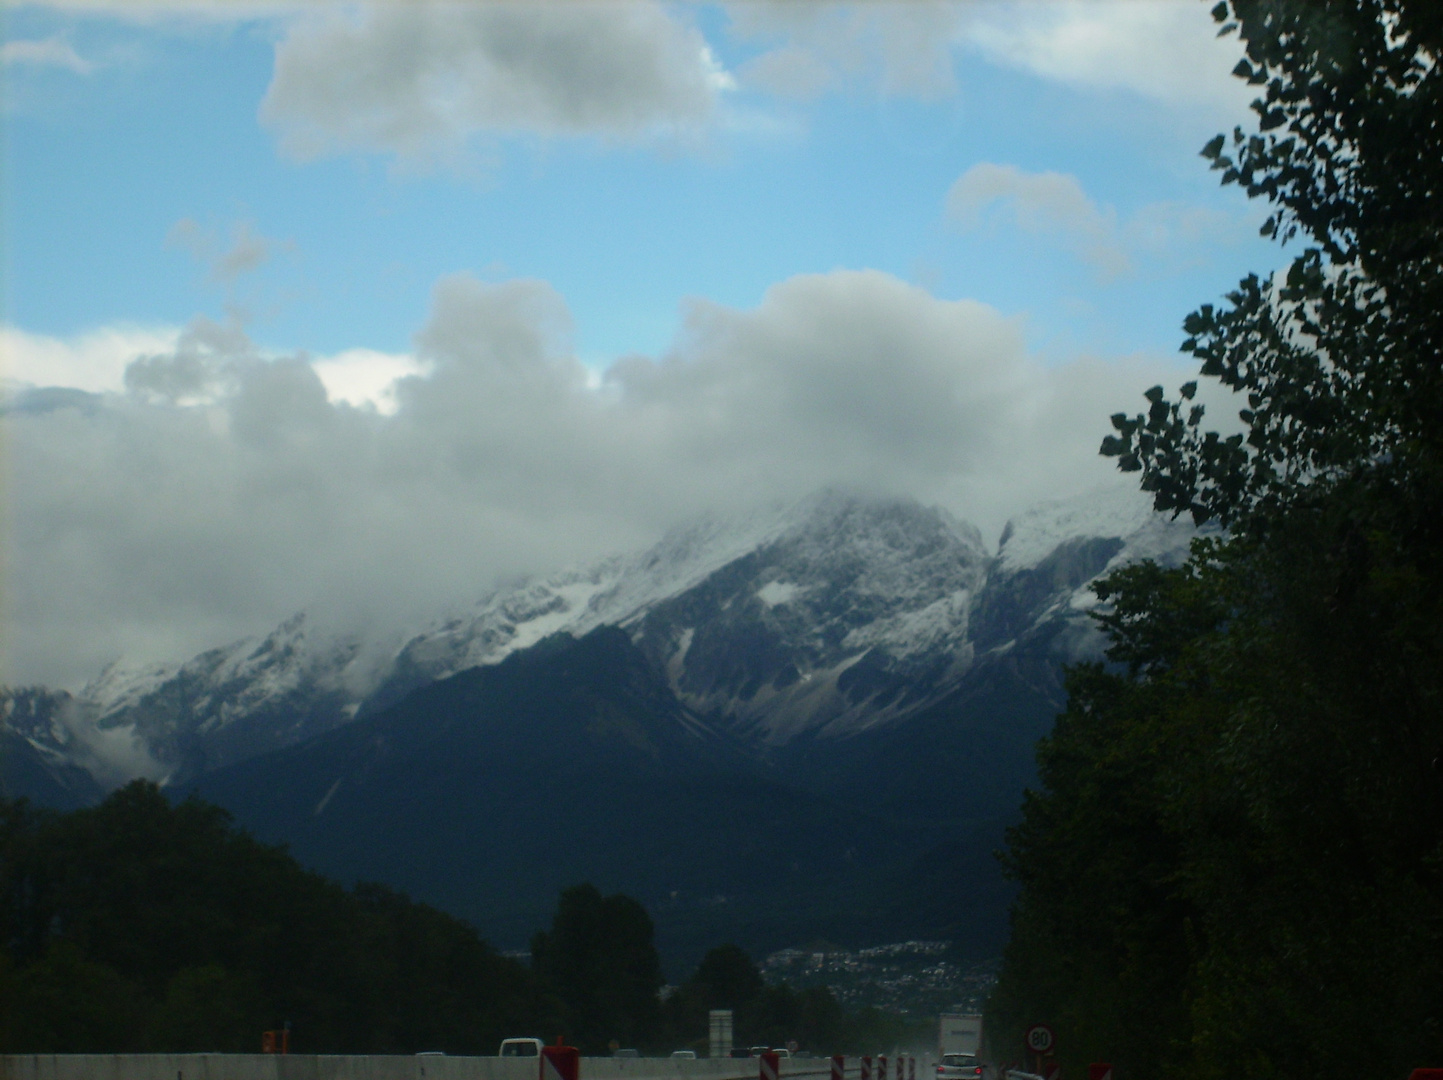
(142, 925)
(600, 960)
(1337, 358)
(1234, 863)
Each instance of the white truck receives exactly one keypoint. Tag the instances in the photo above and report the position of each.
(959, 1033)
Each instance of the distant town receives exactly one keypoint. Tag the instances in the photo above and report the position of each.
(911, 978)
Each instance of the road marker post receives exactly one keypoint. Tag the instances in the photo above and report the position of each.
(866, 1068)
(1099, 1070)
(770, 1066)
(911, 1067)
(839, 1067)
(881, 1067)
(560, 1062)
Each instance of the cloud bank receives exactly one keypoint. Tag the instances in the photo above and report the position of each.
(224, 489)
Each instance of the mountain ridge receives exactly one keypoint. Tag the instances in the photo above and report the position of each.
(833, 615)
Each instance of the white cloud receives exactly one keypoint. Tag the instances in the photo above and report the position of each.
(1054, 203)
(49, 52)
(187, 364)
(904, 49)
(1165, 50)
(94, 362)
(1041, 202)
(789, 72)
(1162, 50)
(248, 250)
(228, 489)
(174, 12)
(365, 378)
(419, 81)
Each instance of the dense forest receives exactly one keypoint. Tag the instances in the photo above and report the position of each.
(142, 925)
(145, 925)
(1234, 864)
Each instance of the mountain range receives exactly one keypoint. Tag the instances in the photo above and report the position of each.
(809, 723)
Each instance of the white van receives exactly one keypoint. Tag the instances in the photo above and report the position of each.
(520, 1048)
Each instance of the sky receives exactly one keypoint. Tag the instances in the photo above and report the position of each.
(361, 309)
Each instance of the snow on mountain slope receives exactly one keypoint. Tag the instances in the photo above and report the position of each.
(1108, 511)
(845, 617)
(59, 730)
(228, 703)
(822, 619)
(615, 591)
(1040, 586)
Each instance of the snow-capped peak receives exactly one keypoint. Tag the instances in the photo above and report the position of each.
(1108, 511)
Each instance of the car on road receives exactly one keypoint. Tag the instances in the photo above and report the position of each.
(961, 1067)
(739, 1052)
(520, 1048)
(683, 1055)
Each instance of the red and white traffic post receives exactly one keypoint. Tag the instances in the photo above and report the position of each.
(1042, 1042)
(1099, 1070)
(839, 1067)
(770, 1067)
(560, 1062)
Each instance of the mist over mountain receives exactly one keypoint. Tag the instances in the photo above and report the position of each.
(814, 721)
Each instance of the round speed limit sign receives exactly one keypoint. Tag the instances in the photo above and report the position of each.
(1040, 1039)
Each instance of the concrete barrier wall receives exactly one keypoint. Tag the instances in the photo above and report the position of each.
(370, 1067)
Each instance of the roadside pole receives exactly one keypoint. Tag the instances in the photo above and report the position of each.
(560, 1062)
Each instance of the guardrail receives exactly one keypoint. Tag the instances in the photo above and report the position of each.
(374, 1067)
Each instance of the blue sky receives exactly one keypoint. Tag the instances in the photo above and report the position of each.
(597, 242)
